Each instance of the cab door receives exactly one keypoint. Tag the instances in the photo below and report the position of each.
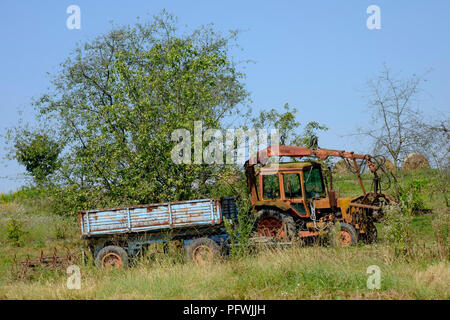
(293, 192)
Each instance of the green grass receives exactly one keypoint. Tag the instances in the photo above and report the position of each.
(24, 193)
(422, 226)
(348, 185)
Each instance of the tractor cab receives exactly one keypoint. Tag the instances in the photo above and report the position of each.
(288, 185)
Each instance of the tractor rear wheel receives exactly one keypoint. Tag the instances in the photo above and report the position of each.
(274, 224)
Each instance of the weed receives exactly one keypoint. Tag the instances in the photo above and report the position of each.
(411, 195)
(413, 255)
(398, 228)
(441, 225)
(63, 228)
(15, 233)
(240, 231)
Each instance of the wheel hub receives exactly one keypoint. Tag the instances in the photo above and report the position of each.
(202, 255)
(112, 260)
(346, 238)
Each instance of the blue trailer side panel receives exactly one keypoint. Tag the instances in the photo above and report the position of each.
(151, 217)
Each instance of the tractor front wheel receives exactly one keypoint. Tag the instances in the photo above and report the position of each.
(348, 235)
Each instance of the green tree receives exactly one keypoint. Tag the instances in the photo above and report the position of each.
(288, 126)
(37, 152)
(116, 102)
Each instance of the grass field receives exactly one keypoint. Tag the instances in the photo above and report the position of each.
(315, 272)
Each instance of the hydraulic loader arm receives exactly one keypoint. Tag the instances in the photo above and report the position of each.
(297, 152)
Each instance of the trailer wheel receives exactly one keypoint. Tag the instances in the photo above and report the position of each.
(112, 257)
(203, 251)
(348, 235)
(274, 224)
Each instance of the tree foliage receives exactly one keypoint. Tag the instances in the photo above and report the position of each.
(118, 98)
(38, 153)
(288, 126)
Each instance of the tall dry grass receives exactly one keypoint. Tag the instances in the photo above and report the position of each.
(294, 273)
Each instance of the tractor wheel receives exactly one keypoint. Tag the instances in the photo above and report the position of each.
(274, 224)
(348, 235)
(112, 257)
(203, 251)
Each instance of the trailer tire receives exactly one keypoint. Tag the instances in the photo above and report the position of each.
(203, 251)
(269, 223)
(112, 257)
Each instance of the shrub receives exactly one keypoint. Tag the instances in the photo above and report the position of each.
(24, 193)
(398, 227)
(411, 195)
(241, 230)
(61, 230)
(441, 225)
(15, 232)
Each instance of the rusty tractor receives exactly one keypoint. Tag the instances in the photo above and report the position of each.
(296, 199)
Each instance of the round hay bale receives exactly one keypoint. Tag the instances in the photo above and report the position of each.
(415, 161)
(386, 165)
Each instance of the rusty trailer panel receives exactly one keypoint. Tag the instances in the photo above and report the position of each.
(152, 217)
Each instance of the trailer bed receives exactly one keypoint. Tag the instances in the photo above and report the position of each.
(154, 217)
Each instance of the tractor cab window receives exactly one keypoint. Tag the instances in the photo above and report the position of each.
(292, 186)
(271, 186)
(313, 183)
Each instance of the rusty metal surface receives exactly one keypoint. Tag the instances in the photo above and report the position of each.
(151, 217)
(366, 206)
(299, 151)
(306, 234)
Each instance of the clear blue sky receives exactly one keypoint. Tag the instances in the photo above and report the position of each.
(316, 55)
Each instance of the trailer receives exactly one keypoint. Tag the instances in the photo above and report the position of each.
(116, 235)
